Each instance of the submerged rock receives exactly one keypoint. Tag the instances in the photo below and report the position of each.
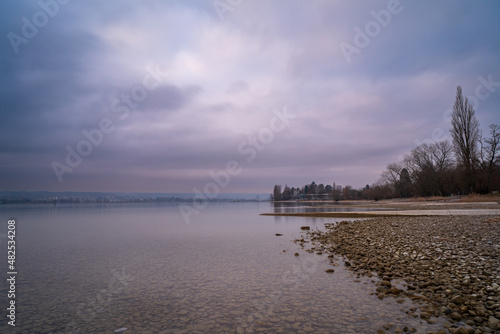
(386, 283)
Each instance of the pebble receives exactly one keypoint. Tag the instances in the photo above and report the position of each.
(448, 264)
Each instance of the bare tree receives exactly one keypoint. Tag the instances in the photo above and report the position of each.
(489, 153)
(405, 186)
(424, 170)
(391, 174)
(442, 153)
(493, 146)
(336, 192)
(347, 192)
(443, 160)
(430, 167)
(422, 156)
(465, 134)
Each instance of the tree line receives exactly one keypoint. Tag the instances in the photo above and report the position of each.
(315, 191)
(469, 163)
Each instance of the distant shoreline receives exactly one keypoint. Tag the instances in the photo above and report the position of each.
(73, 197)
(138, 201)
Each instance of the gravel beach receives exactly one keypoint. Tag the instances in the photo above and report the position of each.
(450, 265)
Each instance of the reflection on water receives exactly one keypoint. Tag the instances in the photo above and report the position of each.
(98, 268)
(310, 207)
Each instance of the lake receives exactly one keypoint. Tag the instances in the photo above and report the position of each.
(101, 267)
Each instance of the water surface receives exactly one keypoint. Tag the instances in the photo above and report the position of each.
(97, 268)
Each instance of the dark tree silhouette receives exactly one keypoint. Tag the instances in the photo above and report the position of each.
(277, 193)
(465, 134)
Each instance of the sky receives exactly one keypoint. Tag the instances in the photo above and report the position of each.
(233, 95)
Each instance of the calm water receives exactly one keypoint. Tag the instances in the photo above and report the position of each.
(98, 268)
(292, 207)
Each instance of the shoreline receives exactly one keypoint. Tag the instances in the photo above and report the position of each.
(393, 213)
(390, 208)
(450, 265)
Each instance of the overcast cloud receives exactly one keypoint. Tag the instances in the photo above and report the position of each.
(179, 86)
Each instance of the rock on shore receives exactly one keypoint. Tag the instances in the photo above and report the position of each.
(451, 264)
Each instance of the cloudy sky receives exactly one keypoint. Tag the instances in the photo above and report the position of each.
(155, 96)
